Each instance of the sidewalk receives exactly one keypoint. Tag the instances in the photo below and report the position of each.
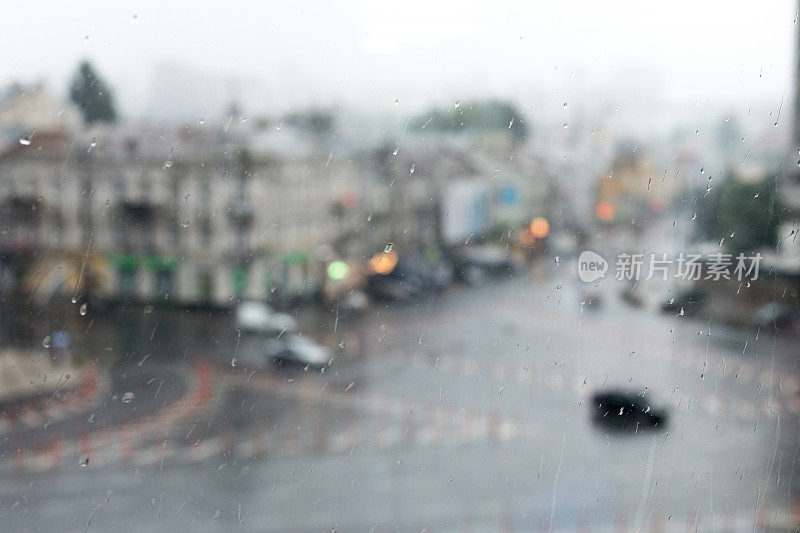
(28, 373)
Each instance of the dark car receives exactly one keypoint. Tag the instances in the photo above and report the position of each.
(474, 265)
(778, 315)
(689, 301)
(624, 409)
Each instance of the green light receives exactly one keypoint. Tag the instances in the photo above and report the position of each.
(337, 270)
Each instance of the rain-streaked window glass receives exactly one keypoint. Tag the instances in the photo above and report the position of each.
(381, 266)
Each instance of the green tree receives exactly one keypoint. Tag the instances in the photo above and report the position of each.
(746, 215)
(494, 115)
(90, 93)
(315, 121)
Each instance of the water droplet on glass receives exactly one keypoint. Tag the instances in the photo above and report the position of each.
(396, 101)
(84, 460)
(168, 163)
(412, 169)
(216, 515)
(234, 362)
(91, 418)
(82, 310)
(457, 104)
(46, 341)
(388, 248)
(566, 125)
(369, 217)
(74, 300)
(128, 397)
(25, 141)
(134, 18)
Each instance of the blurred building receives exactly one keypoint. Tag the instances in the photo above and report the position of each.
(632, 189)
(203, 215)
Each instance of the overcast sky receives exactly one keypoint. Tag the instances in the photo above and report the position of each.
(418, 52)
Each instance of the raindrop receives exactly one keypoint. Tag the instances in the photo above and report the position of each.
(202, 121)
(396, 101)
(91, 418)
(383, 327)
(702, 170)
(82, 310)
(457, 104)
(216, 515)
(388, 248)
(234, 362)
(511, 123)
(566, 125)
(168, 163)
(74, 300)
(84, 460)
(565, 104)
(128, 397)
(134, 18)
(369, 217)
(694, 216)
(46, 341)
(25, 141)
(411, 170)
(92, 145)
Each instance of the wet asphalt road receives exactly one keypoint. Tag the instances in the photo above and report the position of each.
(466, 412)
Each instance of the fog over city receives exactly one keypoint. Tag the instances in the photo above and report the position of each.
(685, 57)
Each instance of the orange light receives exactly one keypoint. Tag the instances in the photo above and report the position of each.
(383, 263)
(540, 227)
(604, 210)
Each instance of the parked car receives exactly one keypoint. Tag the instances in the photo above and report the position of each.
(353, 302)
(690, 301)
(781, 316)
(298, 350)
(475, 265)
(257, 317)
(624, 409)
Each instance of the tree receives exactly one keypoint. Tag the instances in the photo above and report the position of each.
(315, 121)
(746, 215)
(493, 115)
(90, 93)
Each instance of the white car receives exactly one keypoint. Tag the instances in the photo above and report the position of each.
(297, 349)
(259, 317)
